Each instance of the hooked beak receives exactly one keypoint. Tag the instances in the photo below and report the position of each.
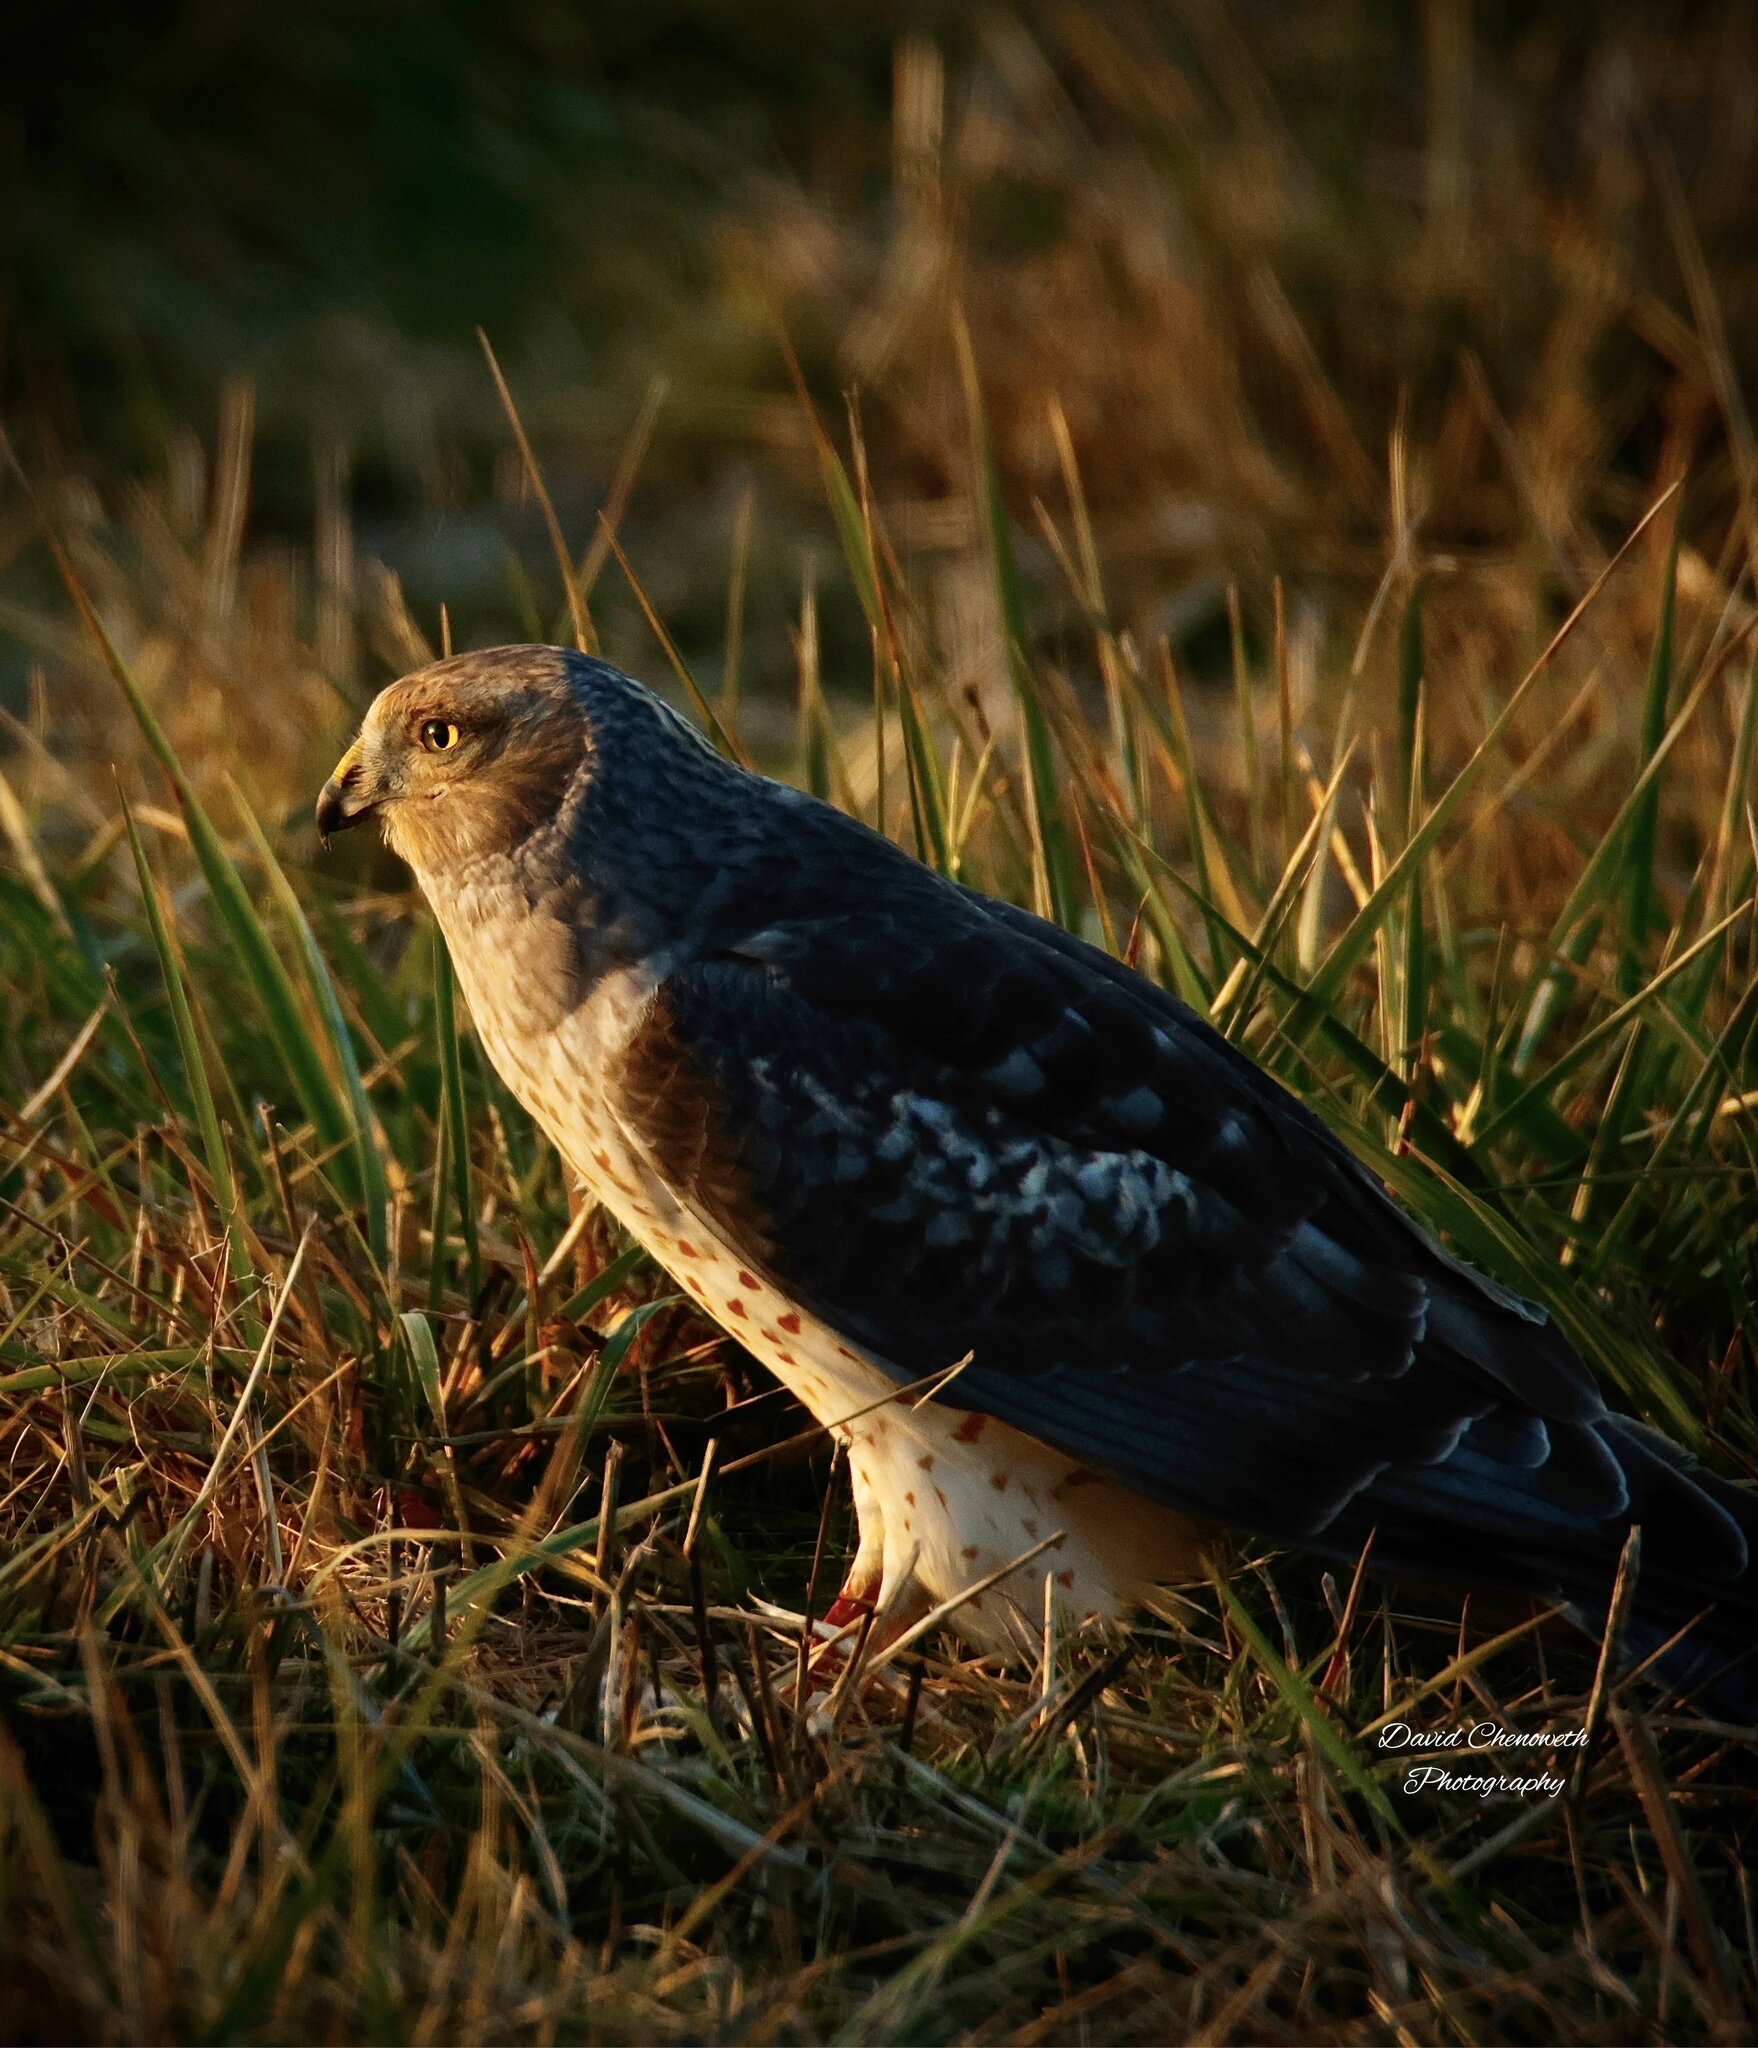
(340, 802)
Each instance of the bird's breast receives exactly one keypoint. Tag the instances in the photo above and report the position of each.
(565, 1069)
(551, 1017)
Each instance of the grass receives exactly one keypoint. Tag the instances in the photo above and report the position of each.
(402, 1594)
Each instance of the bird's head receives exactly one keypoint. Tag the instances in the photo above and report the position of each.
(465, 758)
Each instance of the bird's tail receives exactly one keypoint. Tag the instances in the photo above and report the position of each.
(1695, 1605)
(1550, 1512)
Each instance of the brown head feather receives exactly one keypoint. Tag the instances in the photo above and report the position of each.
(522, 738)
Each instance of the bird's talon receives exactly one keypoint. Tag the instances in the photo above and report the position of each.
(845, 1609)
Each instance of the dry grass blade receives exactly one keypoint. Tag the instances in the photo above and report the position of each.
(573, 586)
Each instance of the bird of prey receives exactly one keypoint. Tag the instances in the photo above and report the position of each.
(883, 1127)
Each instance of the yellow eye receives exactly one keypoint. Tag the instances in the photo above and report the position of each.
(439, 735)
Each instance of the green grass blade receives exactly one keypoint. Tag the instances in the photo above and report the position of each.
(1555, 976)
(207, 1122)
(1645, 818)
(1597, 892)
(603, 1284)
(1304, 1019)
(1298, 1695)
(1233, 1002)
(1412, 986)
(1050, 827)
(1412, 724)
(317, 977)
(1587, 1043)
(725, 741)
(264, 971)
(424, 1355)
(1346, 953)
(927, 782)
(1686, 1129)
(1248, 748)
(457, 1146)
(436, 1213)
(1410, 667)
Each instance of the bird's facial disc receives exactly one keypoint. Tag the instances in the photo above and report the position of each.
(455, 763)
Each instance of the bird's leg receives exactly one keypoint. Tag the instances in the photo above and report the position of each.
(882, 1596)
(870, 1623)
(859, 1596)
(850, 1605)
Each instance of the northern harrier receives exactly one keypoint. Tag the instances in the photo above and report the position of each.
(878, 1124)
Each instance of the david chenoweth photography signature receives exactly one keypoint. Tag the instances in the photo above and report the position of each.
(1437, 1758)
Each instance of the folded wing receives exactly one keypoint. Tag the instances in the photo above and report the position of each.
(950, 1129)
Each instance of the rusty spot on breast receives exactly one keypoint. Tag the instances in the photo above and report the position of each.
(971, 1428)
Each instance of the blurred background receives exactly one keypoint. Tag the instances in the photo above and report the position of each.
(1331, 292)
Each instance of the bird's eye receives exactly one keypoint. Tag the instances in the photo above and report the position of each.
(439, 735)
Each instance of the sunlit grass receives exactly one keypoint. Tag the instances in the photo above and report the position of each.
(402, 1598)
